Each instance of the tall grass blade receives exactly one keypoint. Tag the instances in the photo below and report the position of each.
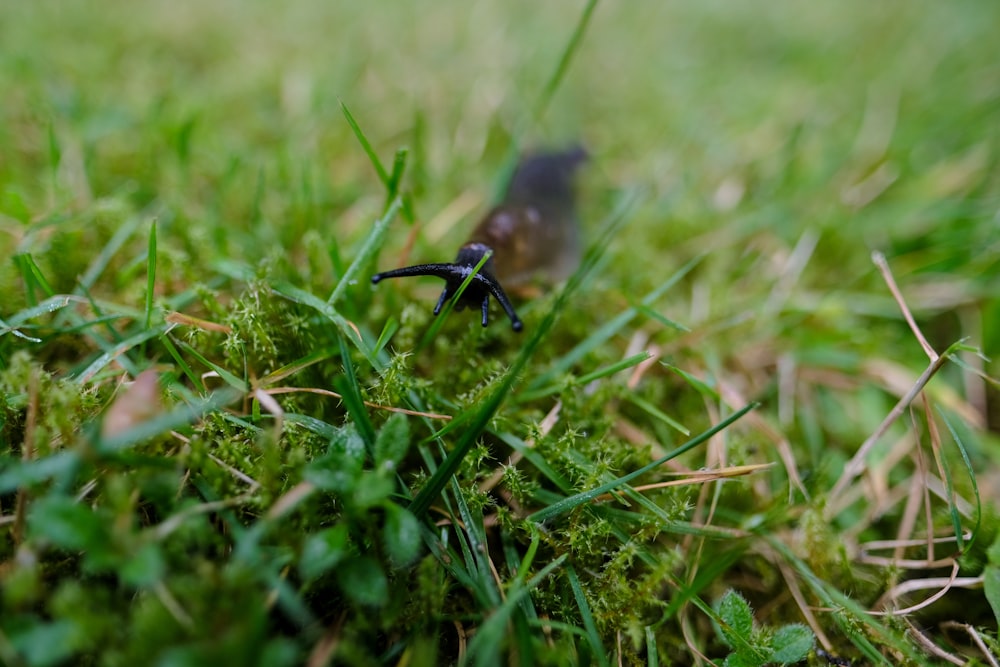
(585, 497)
(150, 274)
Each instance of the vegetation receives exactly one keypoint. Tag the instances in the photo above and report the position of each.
(764, 403)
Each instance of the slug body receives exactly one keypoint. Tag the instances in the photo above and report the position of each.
(532, 233)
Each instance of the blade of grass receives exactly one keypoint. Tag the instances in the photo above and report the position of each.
(586, 496)
(549, 91)
(605, 371)
(702, 388)
(388, 331)
(479, 553)
(293, 367)
(489, 635)
(5, 328)
(181, 416)
(393, 186)
(346, 328)
(452, 563)
(956, 520)
(593, 638)
(367, 251)
(36, 274)
(317, 426)
(27, 278)
(349, 389)
(652, 658)
(526, 614)
(228, 377)
(710, 571)
(658, 317)
(192, 377)
(659, 414)
(383, 175)
(48, 306)
(107, 357)
(150, 273)
(117, 240)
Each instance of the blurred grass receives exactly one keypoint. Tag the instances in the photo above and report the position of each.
(200, 149)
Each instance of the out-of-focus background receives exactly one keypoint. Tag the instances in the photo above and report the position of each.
(862, 126)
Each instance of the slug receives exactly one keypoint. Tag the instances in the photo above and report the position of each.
(532, 233)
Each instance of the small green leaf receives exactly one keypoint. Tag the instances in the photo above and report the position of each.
(741, 660)
(46, 644)
(322, 551)
(738, 618)
(791, 643)
(16, 472)
(401, 533)
(372, 489)
(66, 523)
(328, 474)
(12, 204)
(363, 581)
(348, 443)
(144, 568)
(340, 468)
(392, 441)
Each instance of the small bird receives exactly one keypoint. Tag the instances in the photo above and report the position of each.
(532, 233)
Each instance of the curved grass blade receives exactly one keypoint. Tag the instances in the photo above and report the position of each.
(593, 638)
(489, 635)
(585, 497)
(367, 252)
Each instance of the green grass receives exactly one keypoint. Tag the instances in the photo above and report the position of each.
(219, 444)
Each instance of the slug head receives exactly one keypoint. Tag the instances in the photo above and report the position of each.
(476, 294)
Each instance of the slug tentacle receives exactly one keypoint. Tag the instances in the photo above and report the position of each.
(532, 233)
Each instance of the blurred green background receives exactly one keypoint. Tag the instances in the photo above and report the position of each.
(870, 125)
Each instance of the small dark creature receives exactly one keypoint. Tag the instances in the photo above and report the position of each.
(532, 233)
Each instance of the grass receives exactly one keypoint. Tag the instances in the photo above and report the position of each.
(220, 445)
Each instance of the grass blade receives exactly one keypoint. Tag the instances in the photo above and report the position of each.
(585, 497)
(956, 520)
(482, 648)
(230, 378)
(107, 357)
(346, 328)
(383, 175)
(549, 91)
(366, 253)
(150, 273)
(349, 389)
(181, 416)
(611, 369)
(593, 638)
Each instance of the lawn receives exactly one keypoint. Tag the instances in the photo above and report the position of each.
(757, 425)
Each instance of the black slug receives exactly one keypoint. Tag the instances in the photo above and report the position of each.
(533, 232)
